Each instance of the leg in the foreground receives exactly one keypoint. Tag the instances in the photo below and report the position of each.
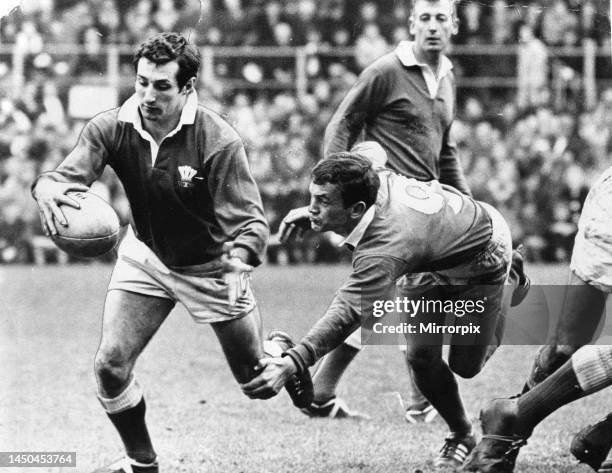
(130, 320)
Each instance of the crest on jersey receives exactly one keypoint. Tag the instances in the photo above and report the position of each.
(186, 173)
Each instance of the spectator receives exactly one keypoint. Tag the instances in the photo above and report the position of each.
(92, 60)
(370, 46)
(557, 22)
(532, 69)
(473, 26)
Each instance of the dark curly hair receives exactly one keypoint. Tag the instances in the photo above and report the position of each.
(165, 47)
(352, 173)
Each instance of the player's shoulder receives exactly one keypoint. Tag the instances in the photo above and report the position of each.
(106, 118)
(215, 128)
(386, 64)
(103, 125)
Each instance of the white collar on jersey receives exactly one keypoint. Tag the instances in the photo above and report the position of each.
(355, 236)
(405, 53)
(129, 111)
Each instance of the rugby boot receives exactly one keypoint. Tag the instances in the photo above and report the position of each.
(593, 443)
(421, 412)
(334, 408)
(455, 450)
(127, 465)
(500, 445)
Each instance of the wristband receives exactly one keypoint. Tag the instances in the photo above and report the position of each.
(297, 359)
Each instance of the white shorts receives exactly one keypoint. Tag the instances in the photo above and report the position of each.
(592, 254)
(200, 288)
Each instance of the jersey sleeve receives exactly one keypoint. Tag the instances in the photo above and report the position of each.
(451, 172)
(238, 206)
(86, 162)
(363, 100)
(373, 278)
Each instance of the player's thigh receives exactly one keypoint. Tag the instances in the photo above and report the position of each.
(581, 314)
(241, 341)
(130, 320)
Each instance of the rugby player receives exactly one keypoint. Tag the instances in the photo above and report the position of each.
(388, 221)
(199, 230)
(590, 283)
(405, 101)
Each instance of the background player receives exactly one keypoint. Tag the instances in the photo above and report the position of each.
(387, 220)
(198, 233)
(386, 105)
(405, 101)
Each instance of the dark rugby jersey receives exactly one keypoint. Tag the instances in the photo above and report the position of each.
(197, 195)
(412, 227)
(391, 104)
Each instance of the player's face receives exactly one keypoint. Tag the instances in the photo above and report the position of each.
(432, 25)
(158, 92)
(327, 212)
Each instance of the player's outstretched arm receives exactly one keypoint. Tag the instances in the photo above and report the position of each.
(275, 372)
(50, 195)
(295, 223)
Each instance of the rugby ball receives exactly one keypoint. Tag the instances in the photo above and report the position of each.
(92, 230)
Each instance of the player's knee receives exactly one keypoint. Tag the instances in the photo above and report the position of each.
(419, 358)
(112, 370)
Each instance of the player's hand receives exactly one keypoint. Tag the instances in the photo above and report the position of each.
(50, 195)
(295, 223)
(274, 373)
(236, 273)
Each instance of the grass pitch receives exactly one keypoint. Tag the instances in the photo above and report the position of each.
(199, 420)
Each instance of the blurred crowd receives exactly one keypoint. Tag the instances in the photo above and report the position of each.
(378, 23)
(372, 27)
(534, 165)
(533, 160)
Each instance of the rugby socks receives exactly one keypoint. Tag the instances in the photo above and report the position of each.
(593, 367)
(559, 389)
(547, 361)
(330, 371)
(439, 386)
(127, 413)
(132, 429)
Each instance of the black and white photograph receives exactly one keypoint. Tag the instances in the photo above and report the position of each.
(305, 236)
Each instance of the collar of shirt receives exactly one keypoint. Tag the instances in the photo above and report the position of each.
(129, 113)
(355, 236)
(405, 53)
